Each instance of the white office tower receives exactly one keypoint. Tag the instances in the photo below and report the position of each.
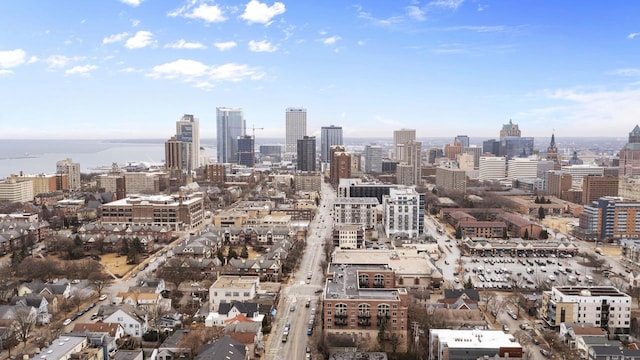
(230, 126)
(520, 168)
(188, 132)
(401, 137)
(296, 128)
(403, 212)
(329, 136)
(491, 168)
(72, 169)
(372, 159)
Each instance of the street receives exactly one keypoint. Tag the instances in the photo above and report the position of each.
(292, 308)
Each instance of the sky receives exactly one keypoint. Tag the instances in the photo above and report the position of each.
(117, 69)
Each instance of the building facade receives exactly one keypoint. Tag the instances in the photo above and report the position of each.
(71, 169)
(609, 218)
(15, 191)
(180, 212)
(403, 212)
(306, 150)
(604, 306)
(448, 344)
(451, 179)
(491, 168)
(329, 136)
(340, 164)
(230, 125)
(246, 151)
(372, 159)
(188, 132)
(296, 128)
(401, 137)
(595, 187)
(348, 236)
(360, 210)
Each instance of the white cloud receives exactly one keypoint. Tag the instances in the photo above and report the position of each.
(60, 61)
(135, 22)
(132, 2)
(183, 44)
(128, 70)
(33, 60)
(140, 40)
(262, 46)
(632, 72)
(80, 70)
(331, 40)
(482, 7)
(204, 76)
(205, 12)
(416, 13)
(226, 45)
(4, 72)
(12, 58)
(257, 12)
(115, 38)
(379, 22)
(604, 112)
(449, 4)
(633, 35)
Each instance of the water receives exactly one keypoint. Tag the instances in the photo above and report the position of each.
(40, 156)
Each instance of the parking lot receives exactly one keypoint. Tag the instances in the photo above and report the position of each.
(505, 272)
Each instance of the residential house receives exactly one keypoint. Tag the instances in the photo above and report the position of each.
(99, 334)
(461, 299)
(248, 333)
(225, 348)
(172, 348)
(133, 322)
(38, 302)
(60, 289)
(265, 269)
(128, 355)
(227, 311)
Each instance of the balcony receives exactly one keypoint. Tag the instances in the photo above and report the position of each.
(364, 322)
(341, 314)
(363, 284)
(340, 321)
(364, 314)
(378, 284)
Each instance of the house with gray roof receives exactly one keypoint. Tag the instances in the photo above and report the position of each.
(224, 348)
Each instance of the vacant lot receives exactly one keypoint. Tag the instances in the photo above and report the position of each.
(116, 264)
(252, 253)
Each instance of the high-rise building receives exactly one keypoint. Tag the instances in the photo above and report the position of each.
(451, 151)
(476, 151)
(403, 212)
(451, 179)
(630, 154)
(340, 166)
(296, 128)
(463, 139)
(491, 168)
(372, 159)
(557, 182)
(413, 159)
(188, 131)
(271, 151)
(175, 155)
(400, 137)
(509, 129)
(72, 169)
(491, 146)
(246, 151)
(306, 150)
(230, 125)
(595, 187)
(329, 136)
(522, 168)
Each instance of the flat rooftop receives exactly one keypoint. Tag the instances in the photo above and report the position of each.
(61, 347)
(590, 291)
(477, 339)
(402, 261)
(344, 284)
(356, 200)
(245, 282)
(158, 200)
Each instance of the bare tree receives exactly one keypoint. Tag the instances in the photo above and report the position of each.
(25, 317)
(7, 282)
(98, 281)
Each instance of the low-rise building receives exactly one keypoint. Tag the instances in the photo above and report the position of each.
(348, 236)
(356, 210)
(604, 306)
(447, 344)
(228, 288)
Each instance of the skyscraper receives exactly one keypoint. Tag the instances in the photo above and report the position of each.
(246, 151)
(400, 137)
(175, 154)
(464, 141)
(188, 131)
(630, 154)
(306, 153)
(329, 136)
(72, 169)
(230, 126)
(296, 128)
(372, 159)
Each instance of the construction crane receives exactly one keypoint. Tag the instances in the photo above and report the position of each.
(253, 131)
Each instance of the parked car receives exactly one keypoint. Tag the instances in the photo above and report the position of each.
(546, 353)
(102, 297)
(66, 322)
(505, 328)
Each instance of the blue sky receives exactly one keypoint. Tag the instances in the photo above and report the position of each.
(131, 68)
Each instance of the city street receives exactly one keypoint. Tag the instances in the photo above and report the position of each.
(292, 308)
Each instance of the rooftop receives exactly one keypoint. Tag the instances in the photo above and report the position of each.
(228, 281)
(356, 200)
(61, 347)
(589, 291)
(478, 339)
(344, 284)
(401, 261)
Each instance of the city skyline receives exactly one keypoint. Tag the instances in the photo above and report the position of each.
(442, 67)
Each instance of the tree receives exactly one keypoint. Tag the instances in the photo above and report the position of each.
(232, 254)
(245, 252)
(541, 213)
(468, 284)
(220, 255)
(459, 232)
(25, 318)
(98, 281)
(176, 272)
(537, 200)
(526, 234)
(544, 234)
